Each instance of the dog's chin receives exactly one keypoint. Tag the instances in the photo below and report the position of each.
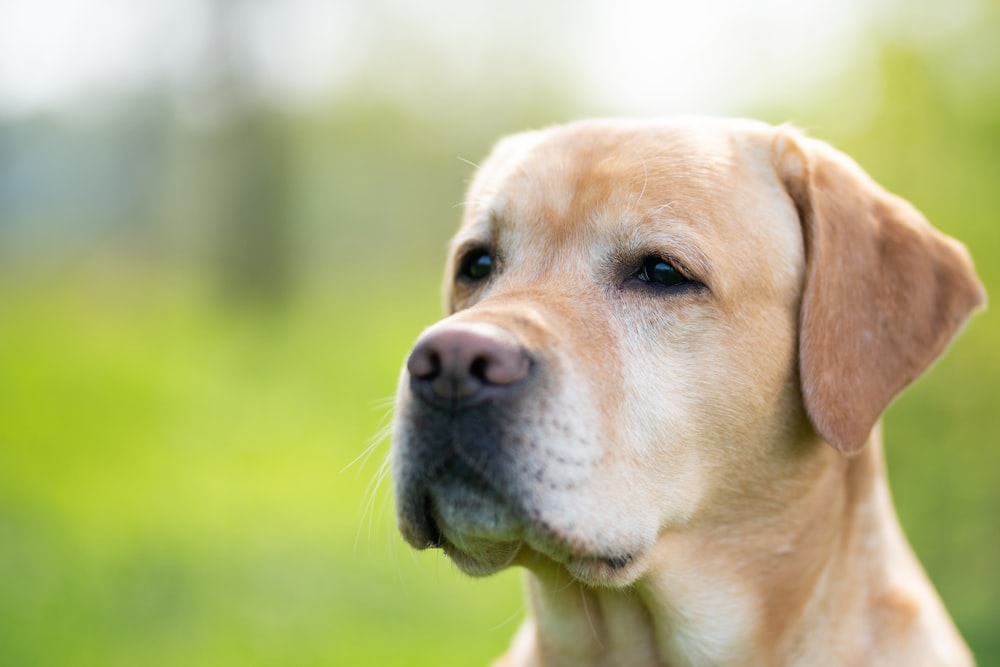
(539, 550)
(482, 558)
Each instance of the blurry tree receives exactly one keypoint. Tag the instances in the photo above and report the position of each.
(247, 173)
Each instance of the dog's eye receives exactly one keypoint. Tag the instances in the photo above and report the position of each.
(476, 265)
(658, 271)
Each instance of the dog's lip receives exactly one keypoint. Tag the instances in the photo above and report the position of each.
(420, 519)
(481, 555)
(431, 521)
(480, 549)
(420, 531)
(557, 551)
(476, 555)
(615, 563)
(602, 570)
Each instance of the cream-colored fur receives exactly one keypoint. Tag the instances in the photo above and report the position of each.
(690, 474)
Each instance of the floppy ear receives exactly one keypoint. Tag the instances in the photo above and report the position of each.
(884, 292)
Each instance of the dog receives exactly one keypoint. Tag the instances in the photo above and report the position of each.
(659, 391)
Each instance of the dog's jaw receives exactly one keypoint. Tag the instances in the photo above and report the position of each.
(770, 593)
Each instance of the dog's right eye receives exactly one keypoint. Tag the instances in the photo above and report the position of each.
(476, 265)
(658, 271)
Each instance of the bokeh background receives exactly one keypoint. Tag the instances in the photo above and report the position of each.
(222, 224)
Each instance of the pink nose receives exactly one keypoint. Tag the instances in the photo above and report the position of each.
(466, 361)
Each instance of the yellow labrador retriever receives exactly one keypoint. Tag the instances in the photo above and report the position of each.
(659, 391)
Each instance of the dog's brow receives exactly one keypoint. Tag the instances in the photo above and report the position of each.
(468, 245)
(678, 247)
(692, 256)
(479, 231)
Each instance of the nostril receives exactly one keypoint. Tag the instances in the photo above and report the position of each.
(424, 363)
(478, 369)
(466, 361)
(503, 366)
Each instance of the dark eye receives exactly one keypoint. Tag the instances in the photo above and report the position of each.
(658, 271)
(476, 265)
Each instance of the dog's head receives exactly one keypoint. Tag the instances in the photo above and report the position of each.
(652, 325)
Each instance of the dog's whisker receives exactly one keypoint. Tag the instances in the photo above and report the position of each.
(384, 403)
(384, 514)
(469, 201)
(665, 207)
(569, 583)
(369, 449)
(645, 180)
(590, 621)
(368, 504)
(382, 433)
(510, 619)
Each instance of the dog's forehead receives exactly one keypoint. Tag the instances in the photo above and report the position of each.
(571, 178)
(711, 183)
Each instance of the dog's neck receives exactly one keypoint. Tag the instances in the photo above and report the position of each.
(816, 567)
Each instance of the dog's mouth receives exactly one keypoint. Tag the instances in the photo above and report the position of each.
(483, 535)
(483, 557)
(465, 492)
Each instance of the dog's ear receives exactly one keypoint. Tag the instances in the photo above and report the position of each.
(884, 292)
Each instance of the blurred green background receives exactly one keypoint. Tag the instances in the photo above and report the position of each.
(222, 224)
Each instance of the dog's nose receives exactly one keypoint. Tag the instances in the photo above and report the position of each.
(466, 361)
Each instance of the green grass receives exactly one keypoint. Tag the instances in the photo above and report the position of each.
(175, 489)
(177, 486)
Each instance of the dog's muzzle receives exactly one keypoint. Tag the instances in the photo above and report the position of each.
(463, 380)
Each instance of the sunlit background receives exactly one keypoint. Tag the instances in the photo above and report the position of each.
(222, 224)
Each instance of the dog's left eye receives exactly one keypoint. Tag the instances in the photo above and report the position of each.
(476, 265)
(658, 271)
